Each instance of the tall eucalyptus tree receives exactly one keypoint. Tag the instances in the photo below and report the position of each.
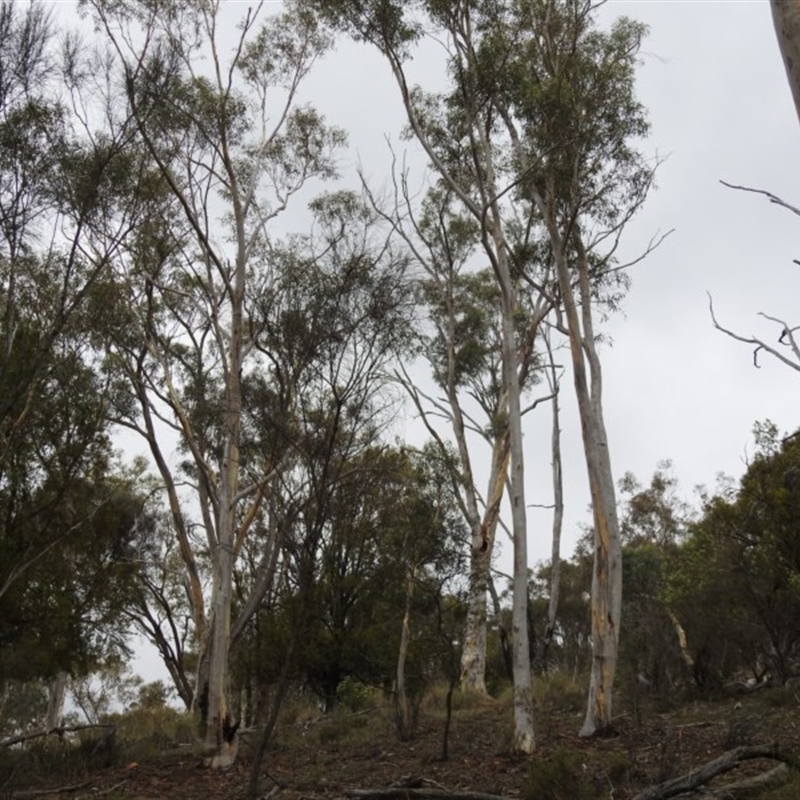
(462, 342)
(573, 121)
(458, 132)
(541, 112)
(228, 147)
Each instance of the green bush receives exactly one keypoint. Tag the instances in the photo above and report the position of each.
(557, 691)
(560, 777)
(163, 725)
(354, 695)
(69, 758)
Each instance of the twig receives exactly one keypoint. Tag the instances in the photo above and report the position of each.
(110, 789)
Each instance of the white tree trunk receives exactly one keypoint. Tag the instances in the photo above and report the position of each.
(473, 654)
(55, 701)
(403, 708)
(558, 510)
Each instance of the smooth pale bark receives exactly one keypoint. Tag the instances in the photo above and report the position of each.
(606, 602)
(403, 709)
(55, 701)
(558, 510)
(786, 17)
(473, 657)
(524, 741)
(524, 738)
(220, 729)
(488, 213)
(606, 598)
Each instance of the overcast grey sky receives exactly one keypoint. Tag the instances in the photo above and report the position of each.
(675, 388)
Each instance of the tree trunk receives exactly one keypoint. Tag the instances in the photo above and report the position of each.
(524, 741)
(55, 701)
(473, 655)
(403, 711)
(558, 513)
(606, 603)
(786, 17)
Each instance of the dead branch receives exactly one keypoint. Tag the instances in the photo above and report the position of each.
(54, 731)
(437, 793)
(415, 786)
(771, 779)
(23, 794)
(759, 345)
(110, 790)
(724, 763)
(771, 197)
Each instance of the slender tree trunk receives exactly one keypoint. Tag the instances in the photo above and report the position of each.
(606, 605)
(786, 18)
(55, 701)
(524, 741)
(473, 654)
(403, 711)
(558, 514)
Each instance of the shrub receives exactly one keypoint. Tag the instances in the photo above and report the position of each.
(557, 691)
(561, 777)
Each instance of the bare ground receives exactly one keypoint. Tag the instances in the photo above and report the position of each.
(321, 757)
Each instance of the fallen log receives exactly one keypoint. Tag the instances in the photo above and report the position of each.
(771, 779)
(718, 766)
(428, 794)
(24, 794)
(418, 787)
(59, 731)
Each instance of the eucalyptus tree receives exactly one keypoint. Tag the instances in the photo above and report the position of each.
(573, 120)
(61, 223)
(228, 146)
(459, 134)
(462, 342)
(542, 112)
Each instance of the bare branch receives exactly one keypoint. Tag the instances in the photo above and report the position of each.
(772, 198)
(759, 343)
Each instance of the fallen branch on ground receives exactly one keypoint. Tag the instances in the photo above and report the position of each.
(420, 788)
(60, 731)
(725, 763)
(23, 794)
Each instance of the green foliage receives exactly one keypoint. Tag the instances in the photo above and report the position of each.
(154, 729)
(737, 577)
(389, 516)
(69, 759)
(353, 695)
(557, 691)
(562, 776)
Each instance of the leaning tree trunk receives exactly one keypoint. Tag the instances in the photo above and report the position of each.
(606, 600)
(786, 17)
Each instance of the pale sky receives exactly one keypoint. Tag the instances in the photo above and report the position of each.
(675, 388)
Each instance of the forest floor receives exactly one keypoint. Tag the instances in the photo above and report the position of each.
(315, 757)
